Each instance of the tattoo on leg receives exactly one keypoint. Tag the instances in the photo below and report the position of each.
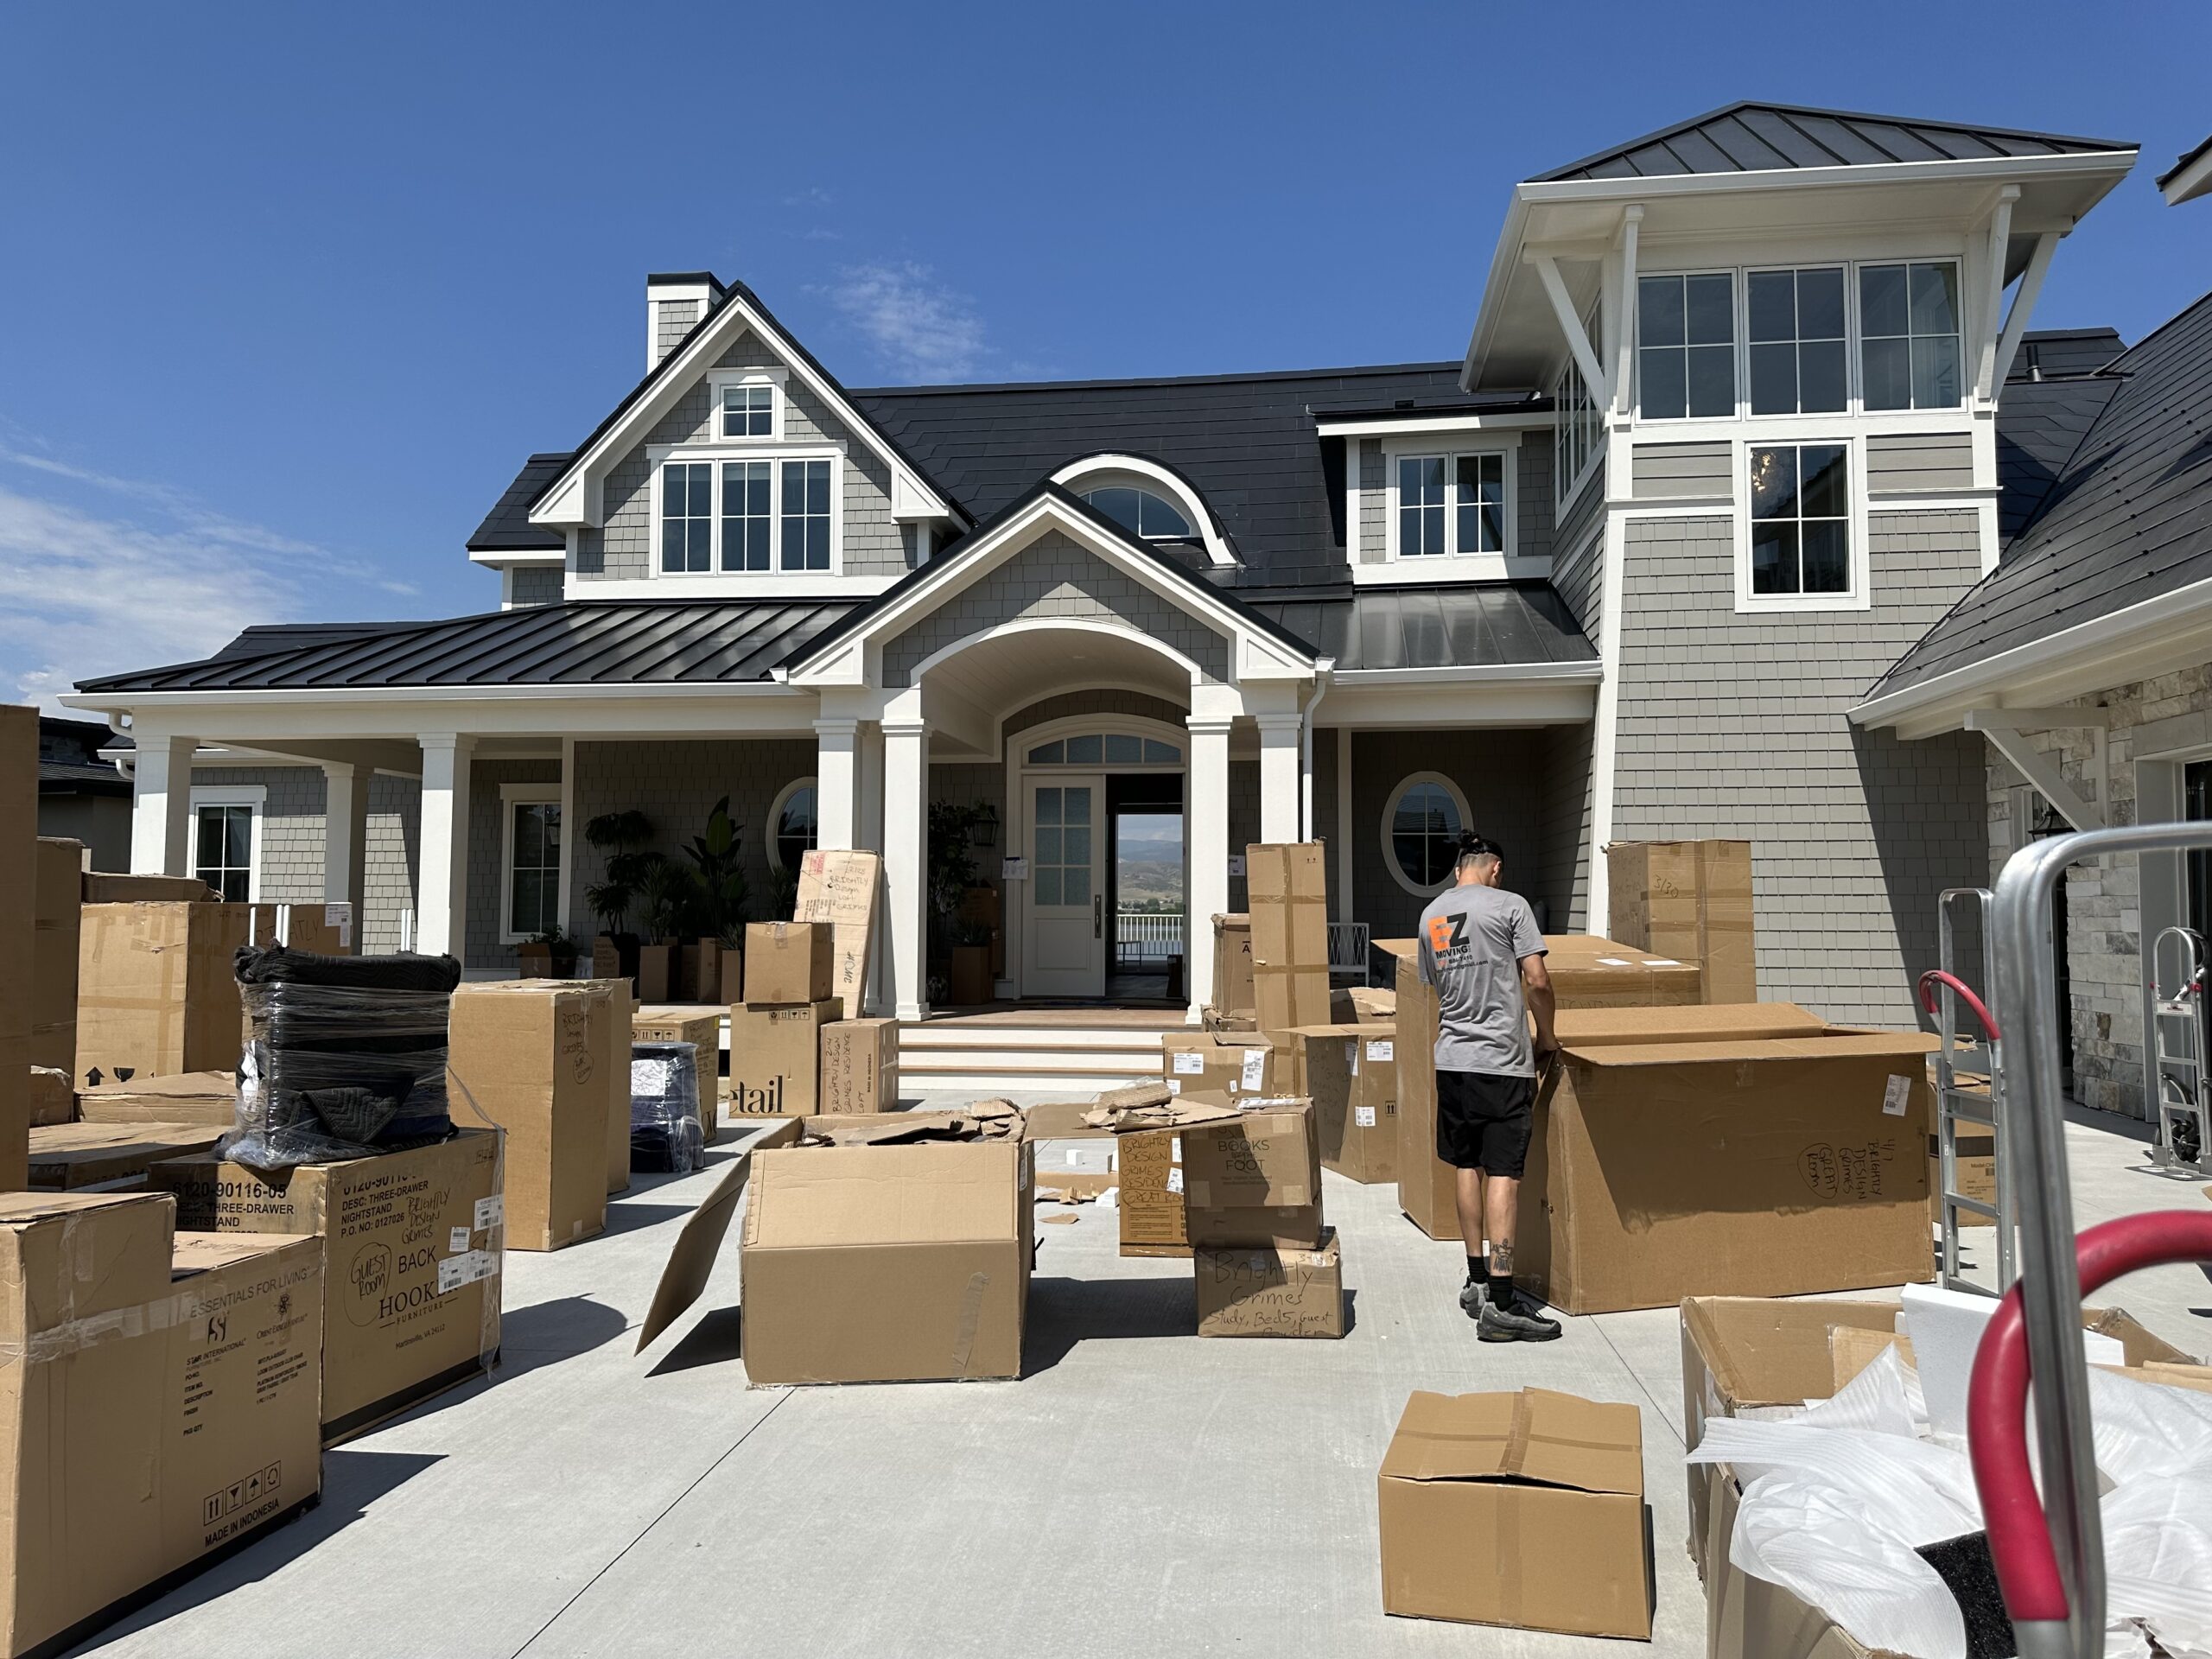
(1501, 1258)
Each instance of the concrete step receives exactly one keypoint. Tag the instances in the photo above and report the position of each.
(1007, 1056)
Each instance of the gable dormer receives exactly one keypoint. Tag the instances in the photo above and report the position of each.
(737, 468)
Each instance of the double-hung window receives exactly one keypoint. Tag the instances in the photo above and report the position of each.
(1451, 505)
(806, 515)
(1794, 323)
(687, 520)
(1686, 345)
(1908, 330)
(1800, 520)
(745, 514)
(532, 858)
(1577, 436)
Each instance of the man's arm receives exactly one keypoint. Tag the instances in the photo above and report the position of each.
(1536, 987)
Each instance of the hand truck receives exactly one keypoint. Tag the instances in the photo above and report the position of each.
(1969, 1089)
(2177, 1052)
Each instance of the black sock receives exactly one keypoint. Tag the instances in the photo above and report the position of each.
(1477, 1268)
(1501, 1287)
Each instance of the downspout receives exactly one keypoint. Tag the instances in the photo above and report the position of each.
(1322, 668)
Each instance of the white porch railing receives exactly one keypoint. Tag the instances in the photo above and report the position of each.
(1147, 936)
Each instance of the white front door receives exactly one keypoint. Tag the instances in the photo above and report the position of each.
(1066, 953)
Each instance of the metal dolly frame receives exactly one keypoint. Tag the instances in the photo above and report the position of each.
(2181, 1014)
(1941, 995)
(2050, 1555)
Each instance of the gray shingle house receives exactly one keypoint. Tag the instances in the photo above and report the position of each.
(1748, 469)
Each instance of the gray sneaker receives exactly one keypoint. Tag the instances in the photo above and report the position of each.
(1471, 1296)
(1517, 1320)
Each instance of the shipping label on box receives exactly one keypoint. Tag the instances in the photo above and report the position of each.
(1216, 1066)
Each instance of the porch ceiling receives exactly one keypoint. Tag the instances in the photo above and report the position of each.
(1008, 672)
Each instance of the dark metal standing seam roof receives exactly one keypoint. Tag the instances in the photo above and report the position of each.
(2128, 519)
(1499, 624)
(1753, 138)
(589, 642)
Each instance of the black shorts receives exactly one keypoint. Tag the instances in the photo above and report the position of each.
(1483, 1120)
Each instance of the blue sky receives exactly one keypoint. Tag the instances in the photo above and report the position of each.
(289, 292)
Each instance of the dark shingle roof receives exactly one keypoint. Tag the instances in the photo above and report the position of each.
(1476, 625)
(2040, 426)
(506, 528)
(592, 642)
(1246, 441)
(1753, 138)
(2128, 517)
(2046, 354)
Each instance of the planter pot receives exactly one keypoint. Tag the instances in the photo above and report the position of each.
(732, 990)
(971, 975)
(656, 972)
(534, 960)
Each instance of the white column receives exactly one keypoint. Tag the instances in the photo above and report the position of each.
(161, 804)
(1347, 832)
(1209, 853)
(837, 796)
(441, 898)
(1280, 740)
(906, 861)
(868, 792)
(344, 835)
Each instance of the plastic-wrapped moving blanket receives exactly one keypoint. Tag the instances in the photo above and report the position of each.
(665, 1130)
(346, 1056)
(1837, 1503)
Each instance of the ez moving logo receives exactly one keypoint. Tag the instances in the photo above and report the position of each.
(1448, 933)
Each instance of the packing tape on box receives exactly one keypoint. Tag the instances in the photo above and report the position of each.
(971, 1317)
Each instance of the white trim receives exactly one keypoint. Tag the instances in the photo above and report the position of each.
(734, 585)
(768, 828)
(569, 827)
(772, 378)
(1570, 327)
(1454, 561)
(1179, 493)
(1859, 597)
(1390, 803)
(2187, 183)
(1472, 674)
(1346, 898)
(553, 556)
(1605, 720)
(511, 796)
(1404, 425)
(1053, 625)
(1790, 178)
(255, 796)
(714, 457)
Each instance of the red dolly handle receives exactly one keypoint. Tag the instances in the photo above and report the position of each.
(1997, 1401)
(1936, 976)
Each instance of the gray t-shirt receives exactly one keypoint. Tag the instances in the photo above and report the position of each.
(1473, 939)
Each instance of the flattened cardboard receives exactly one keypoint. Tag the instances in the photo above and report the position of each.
(155, 993)
(66, 1157)
(412, 1253)
(843, 887)
(1427, 1186)
(1269, 1292)
(1208, 1065)
(1289, 892)
(1232, 965)
(922, 1251)
(860, 1065)
(703, 1029)
(1770, 1167)
(683, 1279)
(1152, 1214)
(1691, 900)
(531, 1056)
(209, 1097)
(1545, 1489)
(55, 924)
(1350, 1073)
(1587, 972)
(789, 962)
(775, 1058)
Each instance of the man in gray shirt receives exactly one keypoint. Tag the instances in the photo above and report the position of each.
(1480, 949)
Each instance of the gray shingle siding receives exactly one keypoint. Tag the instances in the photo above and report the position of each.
(1659, 470)
(674, 320)
(390, 860)
(1499, 773)
(1564, 865)
(1579, 578)
(1532, 496)
(1919, 462)
(1243, 823)
(1734, 725)
(1577, 517)
(291, 828)
(294, 841)
(1374, 502)
(535, 584)
(1053, 577)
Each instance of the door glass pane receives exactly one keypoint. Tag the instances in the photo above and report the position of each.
(1047, 878)
(1048, 806)
(237, 836)
(1082, 752)
(1122, 750)
(1076, 850)
(1160, 754)
(1075, 884)
(1047, 754)
(1048, 844)
(1079, 803)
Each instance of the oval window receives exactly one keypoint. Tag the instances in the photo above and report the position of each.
(1421, 832)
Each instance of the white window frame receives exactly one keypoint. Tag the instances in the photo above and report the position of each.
(1851, 400)
(661, 456)
(250, 795)
(777, 381)
(1737, 317)
(1574, 411)
(1859, 597)
(1456, 561)
(1390, 803)
(511, 797)
(1959, 332)
(776, 817)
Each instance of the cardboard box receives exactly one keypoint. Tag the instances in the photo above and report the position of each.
(55, 926)
(775, 1058)
(621, 1015)
(842, 888)
(1216, 1066)
(1266, 1158)
(1689, 900)
(703, 1029)
(53, 1101)
(1232, 965)
(68, 1157)
(1350, 1074)
(1151, 1203)
(1428, 1187)
(1288, 891)
(185, 1430)
(788, 962)
(1750, 1150)
(922, 1251)
(19, 889)
(411, 1253)
(209, 1097)
(1266, 1292)
(533, 1056)
(111, 887)
(155, 993)
(1544, 1491)
(1587, 972)
(657, 966)
(860, 1065)
(1373, 1005)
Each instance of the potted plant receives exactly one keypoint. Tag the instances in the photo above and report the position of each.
(951, 873)
(620, 839)
(970, 975)
(666, 895)
(717, 872)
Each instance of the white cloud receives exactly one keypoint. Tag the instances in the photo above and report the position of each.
(89, 590)
(919, 328)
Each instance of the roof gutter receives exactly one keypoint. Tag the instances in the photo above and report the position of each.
(108, 701)
(1589, 673)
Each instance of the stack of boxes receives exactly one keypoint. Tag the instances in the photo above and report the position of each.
(1690, 901)
(1262, 1262)
(775, 1034)
(18, 885)
(1350, 1074)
